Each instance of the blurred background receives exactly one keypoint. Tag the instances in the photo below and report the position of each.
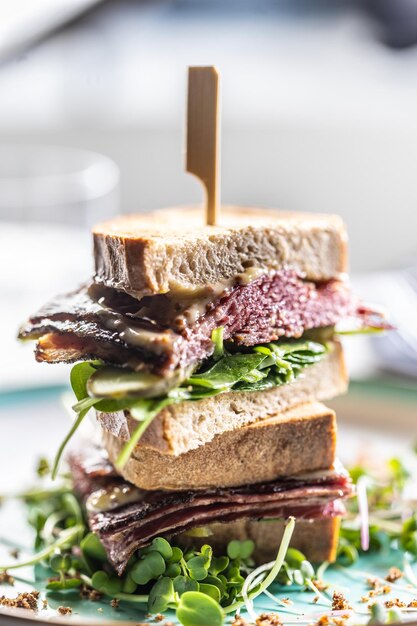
(319, 114)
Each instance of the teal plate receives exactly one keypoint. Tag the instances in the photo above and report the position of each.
(300, 609)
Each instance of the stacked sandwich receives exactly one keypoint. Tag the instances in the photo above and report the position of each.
(205, 351)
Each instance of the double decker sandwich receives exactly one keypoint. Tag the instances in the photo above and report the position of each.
(205, 352)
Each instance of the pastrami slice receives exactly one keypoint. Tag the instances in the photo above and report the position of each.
(278, 304)
(127, 518)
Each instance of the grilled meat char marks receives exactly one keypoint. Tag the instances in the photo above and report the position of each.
(133, 521)
(163, 335)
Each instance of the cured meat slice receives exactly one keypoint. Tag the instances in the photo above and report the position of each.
(163, 334)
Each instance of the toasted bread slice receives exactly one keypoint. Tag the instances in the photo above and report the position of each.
(317, 539)
(297, 441)
(183, 427)
(173, 250)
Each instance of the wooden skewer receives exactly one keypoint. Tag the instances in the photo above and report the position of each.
(203, 134)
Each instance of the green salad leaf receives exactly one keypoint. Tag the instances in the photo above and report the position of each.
(80, 374)
(110, 389)
(229, 371)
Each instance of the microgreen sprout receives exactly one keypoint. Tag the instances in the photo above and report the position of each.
(377, 519)
(378, 614)
(198, 609)
(196, 582)
(62, 565)
(283, 605)
(272, 568)
(394, 616)
(66, 538)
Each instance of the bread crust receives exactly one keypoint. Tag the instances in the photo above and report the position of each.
(297, 441)
(316, 539)
(186, 426)
(173, 249)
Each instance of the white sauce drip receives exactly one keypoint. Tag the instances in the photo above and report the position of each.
(109, 499)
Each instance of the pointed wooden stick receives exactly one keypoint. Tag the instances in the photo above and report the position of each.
(203, 134)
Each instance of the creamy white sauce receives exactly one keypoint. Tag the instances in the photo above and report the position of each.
(195, 301)
(154, 340)
(109, 499)
(180, 308)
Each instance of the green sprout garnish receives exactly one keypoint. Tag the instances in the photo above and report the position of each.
(195, 582)
(387, 502)
(199, 609)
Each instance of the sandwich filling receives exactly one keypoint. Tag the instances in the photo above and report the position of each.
(257, 331)
(167, 333)
(126, 518)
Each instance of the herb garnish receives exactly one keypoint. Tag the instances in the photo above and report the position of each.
(195, 582)
(392, 516)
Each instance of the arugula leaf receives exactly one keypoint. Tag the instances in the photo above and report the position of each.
(80, 374)
(71, 432)
(79, 377)
(183, 584)
(228, 371)
(144, 412)
(265, 383)
(92, 547)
